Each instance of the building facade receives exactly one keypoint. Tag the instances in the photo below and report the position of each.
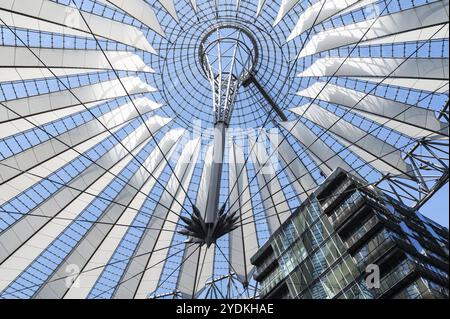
(354, 242)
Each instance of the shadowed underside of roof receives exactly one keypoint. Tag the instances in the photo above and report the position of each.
(106, 120)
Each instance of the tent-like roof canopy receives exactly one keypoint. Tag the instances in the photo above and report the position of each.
(106, 120)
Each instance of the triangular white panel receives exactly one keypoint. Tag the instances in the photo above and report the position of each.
(378, 153)
(387, 25)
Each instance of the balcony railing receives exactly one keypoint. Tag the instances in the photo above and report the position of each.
(395, 276)
(274, 279)
(265, 267)
(362, 232)
(346, 209)
(381, 249)
(337, 193)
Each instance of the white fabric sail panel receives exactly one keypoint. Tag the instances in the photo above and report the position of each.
(98, 232)
(170, 7)
(19, 20)
(194, 4)
(187, 278)
(202, 193)
(49, 16)
(243, 240)
(126, 112)
(188, 275)
(189, 270)
(138, 9)
(21, 125)
(440, 31)
(408, 119)
(428, 74)
(24, 74)
(71, 59)
(407, 20)
(260, 7)
(285, 7)
(91, 272)
(381, 155)
(30, 248)
(31, 157)
(184, 169)
(27, 253)
(357, 5)
(20, 67)
(23, 229)
(299, 177)
(207, 256)
(94, 268)
(405, 127)
(34, 175)
(8, 128)
(424, 68)
(140, 261)
(62, 99)
(274, 201)
(109, 120)
(201, 259)
(431, 85)
(317, 13)
(323, 155)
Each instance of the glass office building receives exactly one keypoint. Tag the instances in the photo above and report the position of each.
(352, 241)
(149, 148)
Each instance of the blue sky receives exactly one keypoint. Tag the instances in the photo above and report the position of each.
(437, 207)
